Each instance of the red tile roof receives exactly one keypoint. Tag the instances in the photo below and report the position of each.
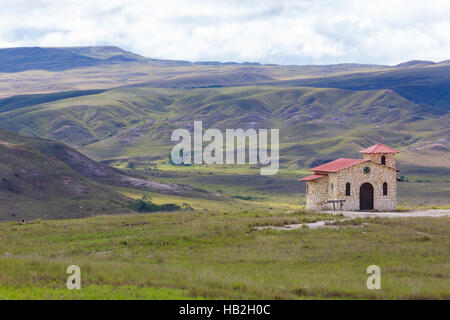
(312, 177)
(379, 148)
(337, 165)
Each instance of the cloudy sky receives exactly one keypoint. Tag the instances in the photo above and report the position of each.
(283, 32)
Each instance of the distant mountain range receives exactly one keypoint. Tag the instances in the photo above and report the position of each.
(60, 59)
(65, 58)
(420, 81)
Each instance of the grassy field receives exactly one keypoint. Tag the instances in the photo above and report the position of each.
(219, 255)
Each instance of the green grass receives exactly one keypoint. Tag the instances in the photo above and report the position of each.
(431, 195)
(17, 102)
(241, 188)
(219, 255)
(92, 292)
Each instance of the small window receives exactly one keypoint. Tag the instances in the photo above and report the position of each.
(366, 170)
(383, 160)
(332, 186)
(347, 189)
(385, 189)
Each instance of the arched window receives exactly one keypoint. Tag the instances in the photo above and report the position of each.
(385, 189)
(383, 160)
(347, 189)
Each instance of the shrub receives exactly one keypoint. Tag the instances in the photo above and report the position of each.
(186, 206)
(246, 197)
(146, 205)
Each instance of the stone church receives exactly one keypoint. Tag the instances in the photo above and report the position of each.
(355, 184)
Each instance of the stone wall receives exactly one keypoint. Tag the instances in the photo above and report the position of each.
(317, 193)
(376, 157)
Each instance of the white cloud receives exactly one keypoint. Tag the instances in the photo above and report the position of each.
(285, 32)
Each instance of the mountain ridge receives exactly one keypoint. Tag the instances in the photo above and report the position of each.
(120, 122)
(18, 59)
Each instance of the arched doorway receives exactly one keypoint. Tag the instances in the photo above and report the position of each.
(366, 197)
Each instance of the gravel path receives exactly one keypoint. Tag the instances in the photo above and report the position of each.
(433, 213)
(393, 214)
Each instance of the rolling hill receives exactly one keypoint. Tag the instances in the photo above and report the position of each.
(118, 111)
(35, 184)
(316, 124)
(421, 83)
(48, 180)
(51, 70)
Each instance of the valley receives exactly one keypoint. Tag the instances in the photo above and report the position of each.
(121, 113)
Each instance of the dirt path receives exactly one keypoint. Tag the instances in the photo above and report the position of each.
(399, 214)
(350, 215)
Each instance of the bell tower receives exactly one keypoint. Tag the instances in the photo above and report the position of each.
(381, 154)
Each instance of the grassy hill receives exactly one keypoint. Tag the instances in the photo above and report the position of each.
(43, 179)
(35, 184)
(427, 84)
(49, 70)
(316, 123)
(21, 101)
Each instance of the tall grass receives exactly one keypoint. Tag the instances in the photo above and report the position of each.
(221, 255)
